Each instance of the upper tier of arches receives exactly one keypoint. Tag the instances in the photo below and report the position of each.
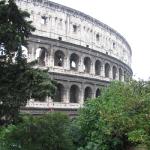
(59, 22)
(76, 63)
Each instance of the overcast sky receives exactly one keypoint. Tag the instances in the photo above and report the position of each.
(131, 18)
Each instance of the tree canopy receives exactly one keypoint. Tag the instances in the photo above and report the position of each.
(19, 81)
(119, 119)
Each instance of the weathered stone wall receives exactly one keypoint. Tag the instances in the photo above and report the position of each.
(81, 53)
(56, 21)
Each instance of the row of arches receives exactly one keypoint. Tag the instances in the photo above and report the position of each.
(74, 59)
(74, 93)
(100, 69)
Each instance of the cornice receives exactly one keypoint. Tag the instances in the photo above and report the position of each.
(74, 12)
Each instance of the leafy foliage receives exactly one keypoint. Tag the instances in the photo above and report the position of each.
(14, 28)
(19, 81)
(118, 119)
(17, 85)
(48, 132)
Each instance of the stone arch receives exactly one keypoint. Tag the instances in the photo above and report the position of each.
(87, 64)
(97, 67)
(107, 70)
(120, 74)
(41, 55)
(98, 92)
(59, 58)
(59, 95)
(87, 93)
(74, 61)
(74, 94)
(114, 72)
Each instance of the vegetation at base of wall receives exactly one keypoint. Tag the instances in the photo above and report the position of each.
(117, 120)
(19, 81)
(47, 132)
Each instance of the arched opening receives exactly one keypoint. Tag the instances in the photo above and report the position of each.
(41, 55)
(98, 92)
(107, 70)
(59, 58)
(114, 72)
(97, 67)
(120, 74)
(87, 64)
(87, 93)
(74, 61)
(74, 94)
(59, 95)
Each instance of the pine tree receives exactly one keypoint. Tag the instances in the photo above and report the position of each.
(19, 81)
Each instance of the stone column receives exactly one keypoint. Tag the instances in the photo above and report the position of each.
(92, 68)
(47, 57)
(103, 69)
(81, 97)
(51, 57)
(117, 74)
(81, 64)
(66, 97)
(94, 91)
(111, 73)
(67, 62)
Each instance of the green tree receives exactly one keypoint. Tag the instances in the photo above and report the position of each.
(47, 132)
(19, 81)
(118, 119)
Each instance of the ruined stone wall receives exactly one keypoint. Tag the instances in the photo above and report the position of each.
(81, 53)
(56, 21)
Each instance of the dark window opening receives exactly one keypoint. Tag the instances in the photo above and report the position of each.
(74, 94)
(107, 70)
(114, 45)
(97, 37)
(87, 64)
(114, 72)
(87, 93)
(59, 95)
(74, 62)
(43, 20)
(120, 74)
(60, 38)
(59, 58)
(74, 28)
(97, 67)
(98, 92)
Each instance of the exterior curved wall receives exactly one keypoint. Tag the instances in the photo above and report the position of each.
(80, 52)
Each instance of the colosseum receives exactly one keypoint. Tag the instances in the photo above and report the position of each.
(81, 53)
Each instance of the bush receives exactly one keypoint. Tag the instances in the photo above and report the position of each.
(47, 132)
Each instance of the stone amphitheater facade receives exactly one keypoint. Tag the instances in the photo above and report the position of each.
(81, 53)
